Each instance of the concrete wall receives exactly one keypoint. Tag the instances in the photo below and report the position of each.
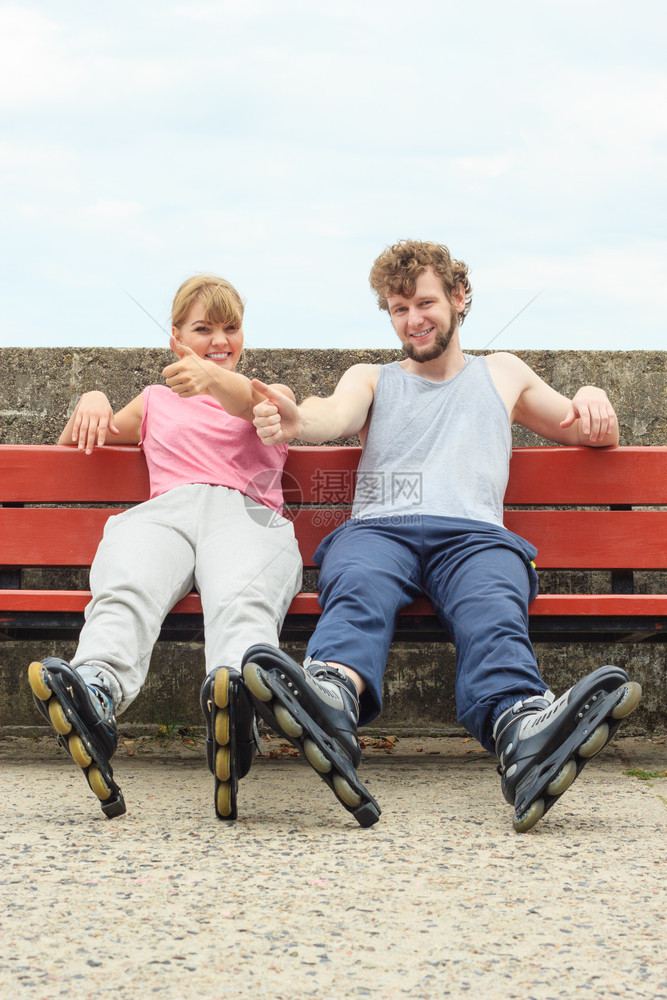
(40, 386)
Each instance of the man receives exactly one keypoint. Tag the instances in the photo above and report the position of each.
(441, 420)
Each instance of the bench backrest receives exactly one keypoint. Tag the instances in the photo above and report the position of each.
(319, 483)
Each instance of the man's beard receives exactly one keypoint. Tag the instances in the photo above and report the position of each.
(440, 345)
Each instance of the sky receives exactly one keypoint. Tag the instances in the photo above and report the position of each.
(284, 144)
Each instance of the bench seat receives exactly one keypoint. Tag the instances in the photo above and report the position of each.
(584, 509)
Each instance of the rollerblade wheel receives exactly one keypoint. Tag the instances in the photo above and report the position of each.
(563, 779)
(252, 675)
(36, 678)
(289, 725)
(595, 741)
(222, 764)
(222, 728)
(345, 792)
(78, 751)
(530, 817)
(315, 757)
(628, 702)
(98, 784)
(221, 689)
(223, 800)
(59, 721)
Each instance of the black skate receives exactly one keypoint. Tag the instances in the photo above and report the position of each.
(317, 711)
(231, 742)
(543, 744)
(83, 717)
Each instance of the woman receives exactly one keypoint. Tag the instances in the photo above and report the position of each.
(213, 521)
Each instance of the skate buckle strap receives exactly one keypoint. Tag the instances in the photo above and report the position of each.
(321, 669)
(316, 667)
(255, 736)
(103, 702)
(535, 703)
(324, 672)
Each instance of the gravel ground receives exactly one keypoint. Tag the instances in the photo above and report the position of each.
(440, 899)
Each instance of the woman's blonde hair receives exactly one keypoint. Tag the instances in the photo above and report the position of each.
(396, 270)
(222, 303)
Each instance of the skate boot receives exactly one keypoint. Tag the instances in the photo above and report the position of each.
(543, 744)
(317, 710)
(83, 717)
(231, 735)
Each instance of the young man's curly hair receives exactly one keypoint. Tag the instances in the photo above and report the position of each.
(396, 270)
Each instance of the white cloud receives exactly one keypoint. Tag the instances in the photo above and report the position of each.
(285, 145)
(607, 298)
(631, 275)
(48, 61)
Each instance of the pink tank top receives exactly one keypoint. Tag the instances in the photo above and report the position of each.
(194, 440)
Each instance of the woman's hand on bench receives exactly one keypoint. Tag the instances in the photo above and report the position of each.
(92, 419)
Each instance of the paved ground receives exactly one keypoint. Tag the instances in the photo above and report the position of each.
(440, 899)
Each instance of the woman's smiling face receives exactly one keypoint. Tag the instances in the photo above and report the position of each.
(220, 343)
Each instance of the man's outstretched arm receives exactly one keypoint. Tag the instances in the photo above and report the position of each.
(317, 419)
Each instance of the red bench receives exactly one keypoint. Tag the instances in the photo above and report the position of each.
(54, 502)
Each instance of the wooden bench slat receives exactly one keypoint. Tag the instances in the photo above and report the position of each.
(313, 477)
(307, 603)
(546, 477)
(599, 604)
(564, 539)
(587, 539)
(602, 476)
(51, 536)
(51, 474)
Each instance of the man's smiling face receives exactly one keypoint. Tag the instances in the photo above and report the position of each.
(425, 322)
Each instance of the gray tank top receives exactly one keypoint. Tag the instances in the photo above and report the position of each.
(435, 448)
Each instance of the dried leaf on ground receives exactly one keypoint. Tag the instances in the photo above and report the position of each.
(284, 750)
(381, 743)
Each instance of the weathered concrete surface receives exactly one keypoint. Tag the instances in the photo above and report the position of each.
(39, 387)
(418, 689)
(293, 901)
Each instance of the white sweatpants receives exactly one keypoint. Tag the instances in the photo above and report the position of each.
(241, 557)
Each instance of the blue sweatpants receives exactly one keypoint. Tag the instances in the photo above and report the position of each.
(481, 581)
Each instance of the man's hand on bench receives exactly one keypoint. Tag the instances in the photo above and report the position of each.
(597, 415)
